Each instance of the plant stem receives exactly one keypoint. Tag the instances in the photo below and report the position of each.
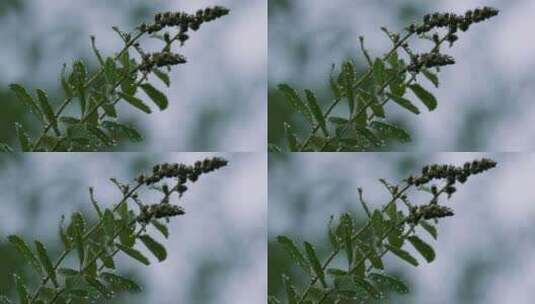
(67, 101)
(356, 85)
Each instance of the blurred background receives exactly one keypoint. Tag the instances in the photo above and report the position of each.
(216, 253)
(217, 100)
(485, 253)
(484, 100)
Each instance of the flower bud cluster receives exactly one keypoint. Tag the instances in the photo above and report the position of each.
(158, 211)
(182, 172)
(453, 21)
(160, 60)
(183, 20)
(427, 212)
(452, 173)
(429, 60)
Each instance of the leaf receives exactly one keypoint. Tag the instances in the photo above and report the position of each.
(120, 283)
(22, 291)
(78, 225)
(338, 120)
(67, 89)
(405, 103)
(391, 131)
(163, 76)
(316, 111)
(402, 254)
(46, 262)
(68, 272)
(69, 120)
(432, 230)
(377, 223)
(346, 223)
(123, 130)
(47, 109)
(290, 290)
(156, 248)
(336, 272)
(25, 252)
(296, 103)
(294, 252)
(64, 238)
(334, 86)
(332, 235)
(24, 140)
(394, 283)
(160, 227)
(136, 102)
(158, 97)
(293, 144)
(109, 223)
(133, 254)
(273, 300)
(378, 71)
(26, 99)
(5, 148)
(274, 148)
(425, 96)
(423, 248)
(77, 79)
(100, 134)
(368, 286)
(95, 283)
(4, 300)
(315, 263)
(431, 76)
(348, 78)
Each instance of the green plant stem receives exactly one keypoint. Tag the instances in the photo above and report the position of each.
(367, 105)
(85, 237)
(354, 237)
(67, 101)
(356, 85)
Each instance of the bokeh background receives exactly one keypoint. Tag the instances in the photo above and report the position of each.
(217, 252)
(485, 100)
(217, 100)
(485, 253)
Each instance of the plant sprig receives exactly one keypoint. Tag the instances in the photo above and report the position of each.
(118, 229)
(387, 78)
(118, 78)
(386, 230)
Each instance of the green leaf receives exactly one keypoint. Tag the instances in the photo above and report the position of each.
(109, 223)
(77, 79)
(123, 130)
(273, 300)
(316, 111)
(4, 300)
(78, 226)
(274, 148)
(47, 109)
(67, 89)
(163, 76)
(402, 254)
(120, 283)
(160, 227)
(158, 97)
(95, 283)
(24, 140)
(394, 283)
(336, 272)
(432, 230)
(46, 262)
(391, 131)
(431, 76)
(334, 86)
(100, 134)
(348, 78)
(136, 102)
(425, 96)
(25, 252)
(346, 225)
(423, 248)
(333, 239)
(377, 223)
(296, 103)
(26, 99)
(68, 272)
(315, 262)
(69, 120)
(156, 248)
(368, 286)
(338, 120)
(22, 291)
(293, 144)
(379, 71)
(294, 252)
(133, 254)
(5, 148)
(405, 103)
(290, 290)
(64, 237)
